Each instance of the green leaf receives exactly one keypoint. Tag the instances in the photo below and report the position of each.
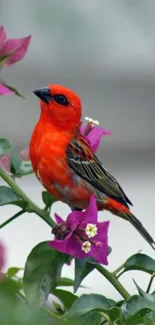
(90, 318)
(140, 262)
(15, 162)
(25, 168)
(19, 312)
(12, 271)
(52, 318)
(20, 167)
(48, 199)
(65, 282)
(9, 287)
(20, 203)
(109, 250)
(66, 297)
(118, 303)
(82, 268)
(93, 302)
(13, 89)
(134, 309)
(8, 196)
(149, 319)
(3, 58)
(5, 146)
(42, 272)
(150, 297)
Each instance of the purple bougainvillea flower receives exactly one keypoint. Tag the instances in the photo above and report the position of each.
(93, 133)
(82, 235)
(2, 259)
(16, 48)
(5, 91)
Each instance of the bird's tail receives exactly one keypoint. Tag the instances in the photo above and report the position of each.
(124, 212)
(138, 225)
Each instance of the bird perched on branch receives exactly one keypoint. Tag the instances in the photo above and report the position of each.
(65, 164)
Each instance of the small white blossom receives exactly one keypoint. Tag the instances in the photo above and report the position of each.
(86, 247)
(90, 120)
(91, 230)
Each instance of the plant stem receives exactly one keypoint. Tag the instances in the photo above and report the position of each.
(121, 267)
(150, 283)
(44, 215)
(31, 205)
(12, 218)
(114, 281)
(107, 319)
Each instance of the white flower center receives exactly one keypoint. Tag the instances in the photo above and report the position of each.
(90, 120)
(91, 230)
(86, 247)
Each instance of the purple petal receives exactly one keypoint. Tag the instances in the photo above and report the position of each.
(5, 163)
(73, 247)
(100, 254)
(76, 249)
(74, 219)
(5, 91)
(58, 219)
(24, 154)
(2, 259)
(62, 245)
(90, 215)
(69, 246)
(2, 255)
(102, 230)
(82, 129)
(95, 136)
(3, 35)
(17, 48)
(81, 218)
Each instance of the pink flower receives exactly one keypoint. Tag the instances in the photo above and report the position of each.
(5, 163)
(2, 259)
(82, 235)
(94, 134)
(24, 154)
(5, 160)
(14, 48)
(5, 91)
(2, 35)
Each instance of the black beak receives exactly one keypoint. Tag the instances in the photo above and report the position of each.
(43, 94)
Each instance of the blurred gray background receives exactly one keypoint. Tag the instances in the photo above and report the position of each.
(105, 51)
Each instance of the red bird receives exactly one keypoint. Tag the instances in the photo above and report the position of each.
(64, 163)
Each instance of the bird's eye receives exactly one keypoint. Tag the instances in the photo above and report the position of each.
(60, 99)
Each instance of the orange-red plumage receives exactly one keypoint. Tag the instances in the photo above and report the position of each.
(64, 162)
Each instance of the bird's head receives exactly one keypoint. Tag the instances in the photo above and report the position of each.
(60, 104)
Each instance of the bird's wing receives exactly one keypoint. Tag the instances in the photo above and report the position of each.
(85, 164)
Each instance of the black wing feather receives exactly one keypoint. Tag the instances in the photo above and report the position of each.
(86, 165)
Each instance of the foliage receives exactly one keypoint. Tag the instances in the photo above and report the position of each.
(24, 293)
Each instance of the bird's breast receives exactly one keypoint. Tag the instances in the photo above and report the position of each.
(49, 161)
(48, 153)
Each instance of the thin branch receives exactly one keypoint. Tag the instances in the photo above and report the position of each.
(12, 218)
(32, 207)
